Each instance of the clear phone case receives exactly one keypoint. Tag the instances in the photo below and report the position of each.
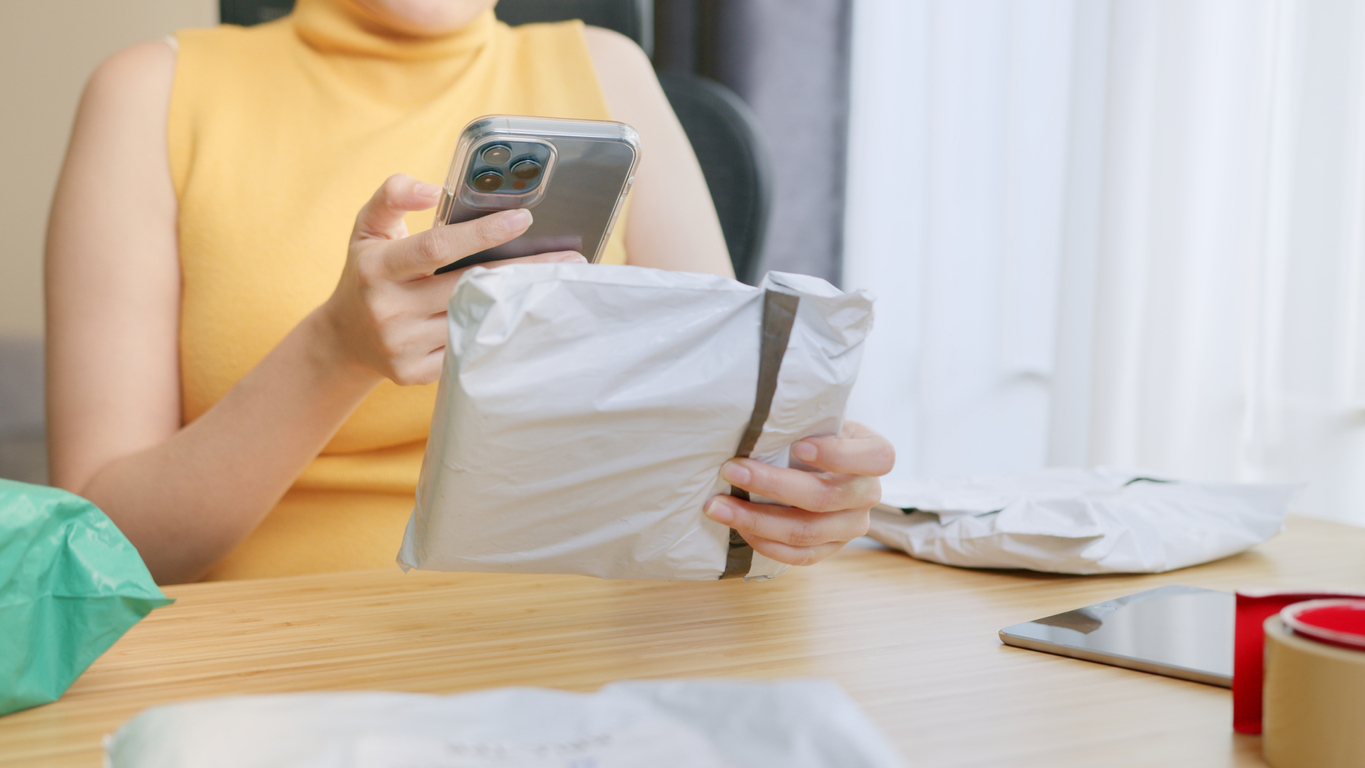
(573, 175)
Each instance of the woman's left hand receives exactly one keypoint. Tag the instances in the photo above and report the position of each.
(827, 509)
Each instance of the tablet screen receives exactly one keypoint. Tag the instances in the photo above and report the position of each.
(1179, 631)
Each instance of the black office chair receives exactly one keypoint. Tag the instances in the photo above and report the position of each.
(724, 133)
(734, 159)
(247, 13)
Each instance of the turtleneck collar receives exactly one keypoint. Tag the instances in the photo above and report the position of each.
(348, 28)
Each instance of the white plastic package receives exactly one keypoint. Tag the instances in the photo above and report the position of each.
(585, 411)
(1078, 521)
(673, 724)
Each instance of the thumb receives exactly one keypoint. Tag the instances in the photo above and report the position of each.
(382, 216)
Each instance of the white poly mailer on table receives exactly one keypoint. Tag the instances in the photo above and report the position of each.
(584, 413)
(659, 724)
(1081, 521)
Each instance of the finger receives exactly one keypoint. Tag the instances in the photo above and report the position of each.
(424, 370)
(435, 290)
(417, 338)
(432, 334)
(857, 451)
(432, 364)
(424, 253)
(815, 491)
(787, 525)
(784, 553)
(555, 257)
(429, 297)
(382, 217)
(432, 295)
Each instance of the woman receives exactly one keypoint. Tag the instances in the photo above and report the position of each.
(237, 409)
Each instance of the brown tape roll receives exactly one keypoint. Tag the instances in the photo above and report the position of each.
(1314, 702)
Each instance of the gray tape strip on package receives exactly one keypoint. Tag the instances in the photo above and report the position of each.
(779, 314)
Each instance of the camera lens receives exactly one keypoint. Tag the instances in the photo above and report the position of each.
(488, 181)
(497, 154)
(526, 168)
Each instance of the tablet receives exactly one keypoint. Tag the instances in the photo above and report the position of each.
(1177, 631)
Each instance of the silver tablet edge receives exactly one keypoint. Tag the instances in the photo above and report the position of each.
(1115, 660)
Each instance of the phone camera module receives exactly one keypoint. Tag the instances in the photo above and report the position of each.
(496, 154)
(526, 169)
(487, 181)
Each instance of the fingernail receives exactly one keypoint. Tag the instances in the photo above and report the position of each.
(428, 190)
(719, 511)
(572, 258)
(516, 220)
(804, 451)
(735, 473)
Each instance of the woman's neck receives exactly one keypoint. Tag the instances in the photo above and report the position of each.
(349, 28)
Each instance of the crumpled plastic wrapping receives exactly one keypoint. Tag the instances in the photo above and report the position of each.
(1077, 521)
(664, 724)
(70, 585)
(585, 411)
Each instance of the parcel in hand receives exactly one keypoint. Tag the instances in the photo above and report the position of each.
(585, 411)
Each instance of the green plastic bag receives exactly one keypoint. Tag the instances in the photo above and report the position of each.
(70, 585)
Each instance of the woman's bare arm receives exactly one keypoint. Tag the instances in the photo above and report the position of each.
(187, 495)
(672, 221)
(113, 278)
(183, 496)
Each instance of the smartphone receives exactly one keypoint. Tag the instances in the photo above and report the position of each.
(573, 175)
(1177, 631)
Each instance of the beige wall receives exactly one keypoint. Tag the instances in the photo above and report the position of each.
(47, 50)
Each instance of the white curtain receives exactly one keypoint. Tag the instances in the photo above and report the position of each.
(1126, 232)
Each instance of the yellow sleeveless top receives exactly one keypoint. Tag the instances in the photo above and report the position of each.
(278, 134)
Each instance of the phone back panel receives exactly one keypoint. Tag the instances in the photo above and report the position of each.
(576, 204)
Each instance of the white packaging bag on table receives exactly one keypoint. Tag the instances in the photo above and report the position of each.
(1081, 521)
(664, 724)
(585, 411)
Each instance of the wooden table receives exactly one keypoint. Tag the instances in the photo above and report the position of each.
(914, 643)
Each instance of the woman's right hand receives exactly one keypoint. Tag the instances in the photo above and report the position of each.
(387, 316)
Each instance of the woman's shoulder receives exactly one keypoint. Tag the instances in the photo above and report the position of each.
(611, 47)
(548, 41)
(621, 64)
(151, 64)
(626, 77)
(129, 88)
(143, 69)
